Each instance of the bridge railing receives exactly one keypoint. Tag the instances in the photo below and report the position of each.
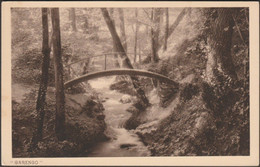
(99, 62)
(101, 55)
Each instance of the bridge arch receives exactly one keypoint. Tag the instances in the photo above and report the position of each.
(131, 72)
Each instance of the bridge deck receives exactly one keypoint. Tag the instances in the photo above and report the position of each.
(131, 72)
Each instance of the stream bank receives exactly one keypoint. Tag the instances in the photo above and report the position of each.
(202, 121)
(84, 123)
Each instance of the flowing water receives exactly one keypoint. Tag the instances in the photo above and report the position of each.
(123, 142)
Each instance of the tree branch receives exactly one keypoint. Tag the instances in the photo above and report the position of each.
(238, 29)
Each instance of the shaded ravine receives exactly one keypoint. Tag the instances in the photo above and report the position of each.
(123, 142)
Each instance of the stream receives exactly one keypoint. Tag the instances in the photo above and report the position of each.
(123, 143)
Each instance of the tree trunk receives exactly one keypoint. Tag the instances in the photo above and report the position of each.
(147, 30)
(73, 19)
(220, 42)
(170, 31)
(58, 69)
(117, 65)
(136, 34)
(152, 35)
(174, 26)
(125, 60)
(166, 28)
(37, 135)
(139, 51)
(155, 31)
(122, 28)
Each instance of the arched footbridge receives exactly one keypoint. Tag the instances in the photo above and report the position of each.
(131, 72)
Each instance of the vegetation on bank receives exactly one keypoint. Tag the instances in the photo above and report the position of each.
(84, 125)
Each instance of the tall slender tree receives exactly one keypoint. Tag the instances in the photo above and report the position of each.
(152, 36)
(58, 69)
(37, 134)
(147, 29)
(166, 28)
(139, 52)
(155, 30)
(136, 34)
(125, 60)
(73, 19)
(111, 11)
(122, 28)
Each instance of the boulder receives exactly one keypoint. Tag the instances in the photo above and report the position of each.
(85, 126)
(127, 146)
(125, 99)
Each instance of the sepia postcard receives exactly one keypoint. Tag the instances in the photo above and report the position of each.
(138, 83)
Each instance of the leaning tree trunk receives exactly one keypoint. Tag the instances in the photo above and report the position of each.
(125, 60)
(166, 28)
(117, 65)
(220, 41)
(58, 70)
(37, 134)
(73, 19)
(122, 28)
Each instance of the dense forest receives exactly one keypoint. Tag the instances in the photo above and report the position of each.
(112, 82)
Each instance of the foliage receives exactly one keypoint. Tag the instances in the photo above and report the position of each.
(91, 107)
(23, 124)
(190, 58)
(55, 148)
(81, 130)
(189, 91)
(26, 68)
(25, 27)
